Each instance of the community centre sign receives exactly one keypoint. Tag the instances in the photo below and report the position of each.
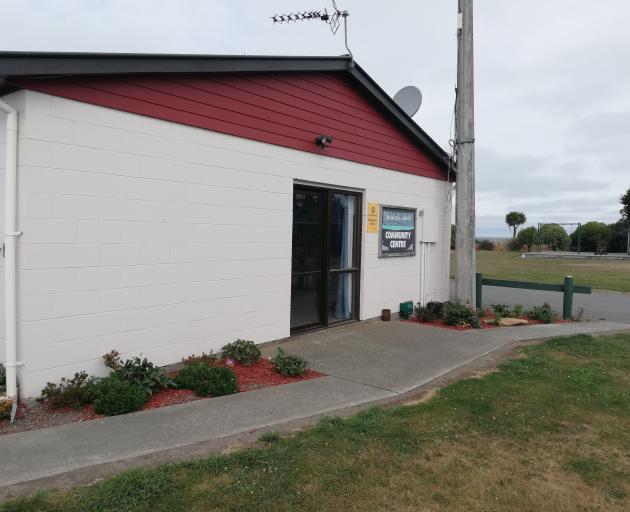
(398, 232)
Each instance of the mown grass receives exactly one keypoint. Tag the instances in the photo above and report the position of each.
(600, 274)
(548, 431)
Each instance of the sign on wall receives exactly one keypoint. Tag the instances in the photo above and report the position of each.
(398, 232)
(372, 218)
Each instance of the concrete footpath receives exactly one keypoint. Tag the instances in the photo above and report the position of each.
(363, 363)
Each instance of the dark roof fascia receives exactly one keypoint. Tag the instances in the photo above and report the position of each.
(45, 64)
(28, 64)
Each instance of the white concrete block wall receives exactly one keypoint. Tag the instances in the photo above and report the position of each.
(165, 240)
(3, 135)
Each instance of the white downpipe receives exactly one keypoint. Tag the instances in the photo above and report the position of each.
(10, 235)
(423, 273)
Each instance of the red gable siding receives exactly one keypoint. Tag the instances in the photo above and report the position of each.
(287, 109)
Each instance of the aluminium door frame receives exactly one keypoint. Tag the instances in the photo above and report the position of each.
(325, 270)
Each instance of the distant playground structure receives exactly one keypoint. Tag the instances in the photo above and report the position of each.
(565, 240)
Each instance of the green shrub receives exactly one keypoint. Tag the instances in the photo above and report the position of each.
(461, 315)
(242, 351)
(270, 437)
(117, 395)
(138, 371)
(425, 314)
(203, 358)
(207, 381)
(503, 311)
(543, 313)
(6, 404)
(486, 245)
(514, 244)
(3, 379)
(75, 392)
(289, 364)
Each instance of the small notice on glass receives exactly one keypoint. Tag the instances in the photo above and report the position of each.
(372, 218)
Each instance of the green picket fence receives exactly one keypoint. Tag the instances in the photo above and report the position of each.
(568, 289)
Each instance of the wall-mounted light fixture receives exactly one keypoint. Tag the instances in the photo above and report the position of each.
(323, 141)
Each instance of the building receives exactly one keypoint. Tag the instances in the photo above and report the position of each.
(166, 205)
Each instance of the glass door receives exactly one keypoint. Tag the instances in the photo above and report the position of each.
(342, 257)
(306, 265)
(325, 260)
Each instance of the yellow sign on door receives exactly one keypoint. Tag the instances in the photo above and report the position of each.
(372, 218)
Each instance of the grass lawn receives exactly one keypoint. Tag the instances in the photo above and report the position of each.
(600, 274)
(549, 431)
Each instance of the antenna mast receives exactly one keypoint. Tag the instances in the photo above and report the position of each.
(332, 20)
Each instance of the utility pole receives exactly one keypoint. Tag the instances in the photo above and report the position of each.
(465, 156)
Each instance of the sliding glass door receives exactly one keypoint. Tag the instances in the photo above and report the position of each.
(326, 255)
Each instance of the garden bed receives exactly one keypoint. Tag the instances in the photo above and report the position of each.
(42, 415)
(486, 323)
(457, 316)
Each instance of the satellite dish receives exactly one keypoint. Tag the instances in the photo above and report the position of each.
(409, 99)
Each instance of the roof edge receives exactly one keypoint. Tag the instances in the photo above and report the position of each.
(52, 64)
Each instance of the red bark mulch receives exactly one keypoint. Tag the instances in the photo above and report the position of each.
(41, 415)
(262, 375)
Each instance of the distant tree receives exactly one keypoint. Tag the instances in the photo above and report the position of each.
(514, 245)
(514, 220)
(625, 206)
(555, 237)
(619, 237)
(593, 236)
(485, 245)
(527, 237)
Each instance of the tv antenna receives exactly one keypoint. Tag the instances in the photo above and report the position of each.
(333, 20)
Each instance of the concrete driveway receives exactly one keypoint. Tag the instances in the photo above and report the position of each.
(399, 356)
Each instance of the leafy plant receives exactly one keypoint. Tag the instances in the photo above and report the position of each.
(436, 306)
(112, 360)
(486, 245)
(461, 315)
(424, 314)
(75, 392)
(579, 316)
(3, 379)
(116, 395)
(203, 358)
(138, 371)
(270, 437)
(5, 408)
(289, 364)
(543, 313)
(514, 244)
(503, 311)
(207, 381)
(242, 351)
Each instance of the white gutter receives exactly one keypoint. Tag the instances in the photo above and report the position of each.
(10, 235)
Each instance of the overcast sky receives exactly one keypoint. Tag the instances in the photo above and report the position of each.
(552, 77)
